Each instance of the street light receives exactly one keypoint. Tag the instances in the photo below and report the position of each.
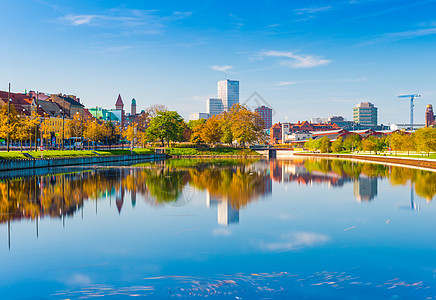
(63, 123)
(9, 109)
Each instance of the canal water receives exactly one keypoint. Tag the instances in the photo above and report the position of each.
(222, 229)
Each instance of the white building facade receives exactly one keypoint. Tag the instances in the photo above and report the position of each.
(198, 116)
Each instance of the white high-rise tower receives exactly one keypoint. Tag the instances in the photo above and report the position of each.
(228, 91)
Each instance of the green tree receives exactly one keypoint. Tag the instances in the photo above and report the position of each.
(166, 126)
(352, 142)
(226, 128)
(337, 145)
(325, 145)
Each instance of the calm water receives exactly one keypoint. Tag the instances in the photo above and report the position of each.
(223, 229)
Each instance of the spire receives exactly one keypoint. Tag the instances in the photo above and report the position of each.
(119, 104)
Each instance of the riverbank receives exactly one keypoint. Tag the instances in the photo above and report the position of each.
(21, 164)
(71, 153)
(422, 163)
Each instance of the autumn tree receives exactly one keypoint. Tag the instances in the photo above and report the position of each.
(197, 127)
(130, 134)
(211, 132)
(426, 139)
(369, 144)
(92, 132)
(246, 126)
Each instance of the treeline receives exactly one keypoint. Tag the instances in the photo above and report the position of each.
(238, 125)
(422, 140)
(155, 124)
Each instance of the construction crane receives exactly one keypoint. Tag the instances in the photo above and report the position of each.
(411, 106)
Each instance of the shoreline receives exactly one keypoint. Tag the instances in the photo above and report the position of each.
(419, 163)
(215, 156)
(35, 163)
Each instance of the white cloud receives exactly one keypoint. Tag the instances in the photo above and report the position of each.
(297, 61)
(77, 20)
(403, 35)
(284, 83)
(222, 68)
(311, 10)
(128, 21)
(294, 241)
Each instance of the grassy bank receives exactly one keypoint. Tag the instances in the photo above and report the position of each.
(71, 153)
(210, 151)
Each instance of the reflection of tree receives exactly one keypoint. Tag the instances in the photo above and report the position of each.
(238, 185)
(166, 185)
(239, 182)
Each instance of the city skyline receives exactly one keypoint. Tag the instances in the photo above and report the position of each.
(307, 60)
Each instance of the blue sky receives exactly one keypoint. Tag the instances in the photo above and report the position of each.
(305, 58)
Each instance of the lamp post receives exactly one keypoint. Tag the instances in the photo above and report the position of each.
(81, 128)
(9, 109)
(63, 124)
(36, 125)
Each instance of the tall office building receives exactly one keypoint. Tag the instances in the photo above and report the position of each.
(228, 92)
(214, 106)
(365, 113)
(266, 115)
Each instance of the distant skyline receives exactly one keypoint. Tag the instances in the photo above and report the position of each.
(307, 59)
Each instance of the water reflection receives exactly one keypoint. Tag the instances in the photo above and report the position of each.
(229, 185)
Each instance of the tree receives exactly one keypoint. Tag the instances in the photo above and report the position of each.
(109, 133)
(369, 144)
(130, 134)
(197, 129)
(92, 132)
(8, 122)
(211, 132)
(325, 145)
(396, 142)
(246, 126)
(337, 145)
(166, 126)
(226, 128)
(425, 140)
(352, 142)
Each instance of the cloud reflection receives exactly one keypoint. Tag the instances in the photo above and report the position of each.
(295, 240)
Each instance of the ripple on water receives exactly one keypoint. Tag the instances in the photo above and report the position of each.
(245, 286)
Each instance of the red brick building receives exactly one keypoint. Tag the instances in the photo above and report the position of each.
(266, 114)
(429, 116)
(278, 129)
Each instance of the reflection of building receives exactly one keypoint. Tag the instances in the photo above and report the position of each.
(365, 188)
(226, 213)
